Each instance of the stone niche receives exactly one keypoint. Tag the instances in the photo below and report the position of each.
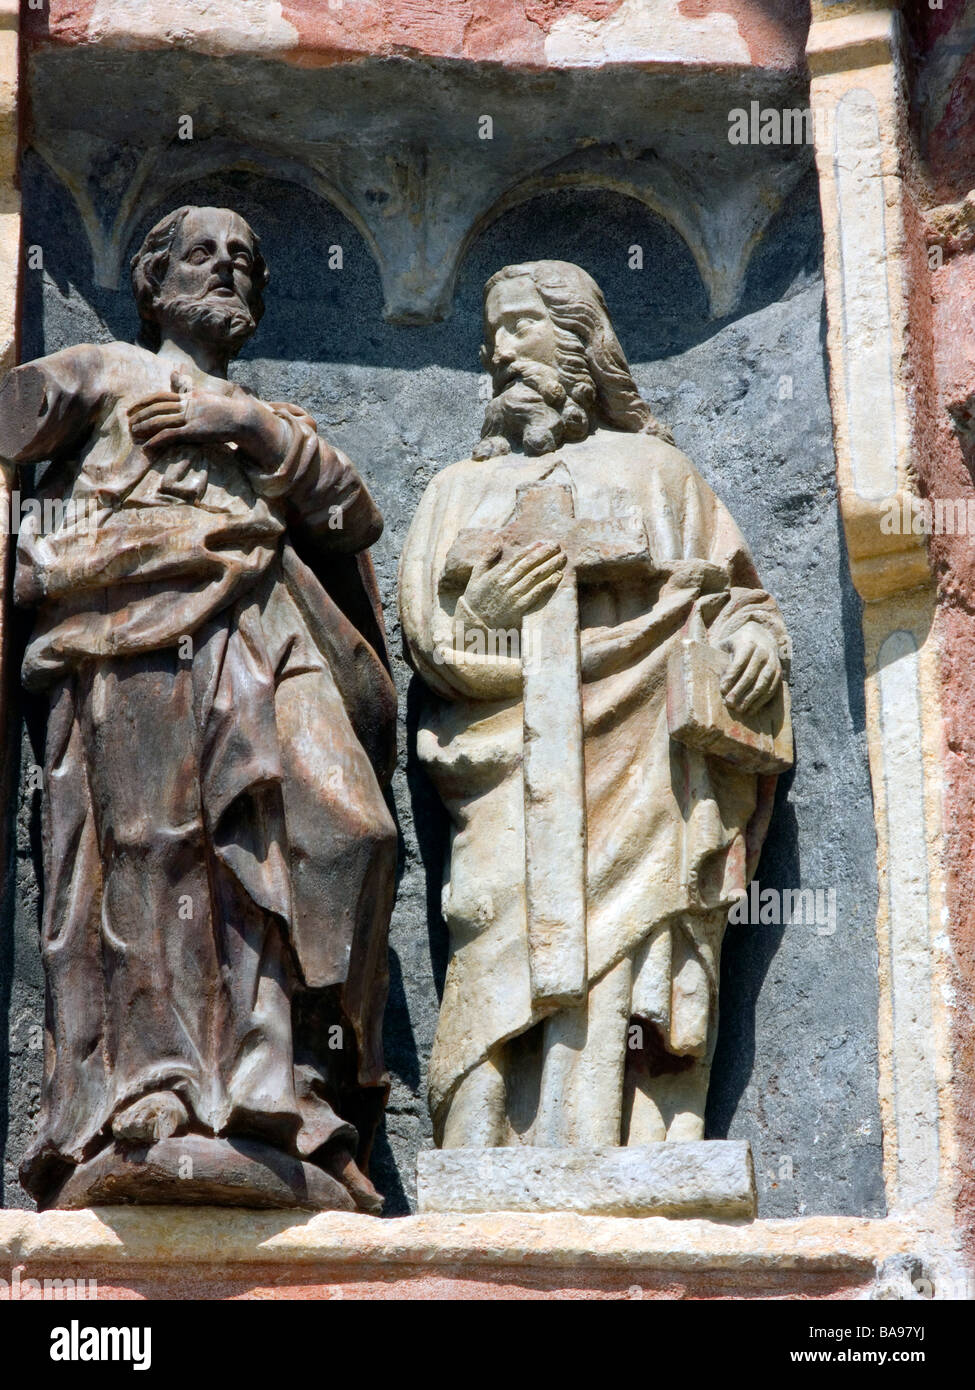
(745, 395)
(382, 210)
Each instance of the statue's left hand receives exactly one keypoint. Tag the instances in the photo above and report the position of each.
(754, 672)
(190, 417)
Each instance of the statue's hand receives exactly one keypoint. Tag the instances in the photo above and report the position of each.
(754, 672)
(190, 417)
(504, 586)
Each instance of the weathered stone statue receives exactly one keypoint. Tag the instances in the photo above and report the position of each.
(218, 854)
(606, 719)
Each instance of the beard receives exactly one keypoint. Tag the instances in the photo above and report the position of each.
(538, 408)
(226, 321)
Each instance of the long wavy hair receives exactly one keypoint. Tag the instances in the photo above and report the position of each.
(590, 355)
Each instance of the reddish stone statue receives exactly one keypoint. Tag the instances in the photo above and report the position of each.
(218, 852)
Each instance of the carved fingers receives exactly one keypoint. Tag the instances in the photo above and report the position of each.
(155, 416)
(541, 581)
(155, 412)
(504, 587)
(540, 563)
(187, 417)
(754, 672)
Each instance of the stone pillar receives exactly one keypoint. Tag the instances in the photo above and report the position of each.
(10, 262)
(874, 280)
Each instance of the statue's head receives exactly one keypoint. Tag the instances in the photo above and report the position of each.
(200, 273)
(556, 365)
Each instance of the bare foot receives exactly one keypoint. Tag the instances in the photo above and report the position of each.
(154, 1117)
(340, 1163)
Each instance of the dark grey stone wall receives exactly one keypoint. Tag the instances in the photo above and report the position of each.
(796, 1070)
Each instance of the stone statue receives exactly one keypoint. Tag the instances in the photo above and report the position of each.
(606, 718)
(218, 852)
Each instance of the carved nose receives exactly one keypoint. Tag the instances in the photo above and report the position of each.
(504, 351)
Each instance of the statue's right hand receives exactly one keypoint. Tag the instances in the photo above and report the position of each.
(509, 582)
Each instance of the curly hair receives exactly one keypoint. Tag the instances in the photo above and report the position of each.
(589, 350)
(149, 264)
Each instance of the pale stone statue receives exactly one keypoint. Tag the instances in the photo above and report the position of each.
(606, 718)
(218, 853)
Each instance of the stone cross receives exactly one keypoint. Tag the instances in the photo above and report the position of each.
(555, 799)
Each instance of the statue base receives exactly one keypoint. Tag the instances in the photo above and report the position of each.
(712, 1179)
(197, 1171)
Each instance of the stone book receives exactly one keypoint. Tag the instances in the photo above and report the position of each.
(698, 716)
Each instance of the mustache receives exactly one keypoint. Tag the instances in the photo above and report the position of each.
(537, 376)
(217, 282)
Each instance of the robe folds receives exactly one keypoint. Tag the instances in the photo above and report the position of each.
(673, 835)
(218, 853)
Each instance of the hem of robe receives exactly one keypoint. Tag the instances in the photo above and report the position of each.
(440, 1095)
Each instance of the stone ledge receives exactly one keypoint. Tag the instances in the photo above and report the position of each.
(168, 1237)
(852, 41)
(882, 564)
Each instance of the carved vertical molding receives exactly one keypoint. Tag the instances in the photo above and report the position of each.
(10, 261)
(9, 190)
(857, 94)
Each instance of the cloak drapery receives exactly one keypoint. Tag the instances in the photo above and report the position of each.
(217, 848)
(671, 832)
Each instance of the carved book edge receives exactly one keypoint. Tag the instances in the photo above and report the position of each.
(698, 717)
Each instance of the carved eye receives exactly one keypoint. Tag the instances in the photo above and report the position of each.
(242, 261)
(198, 255)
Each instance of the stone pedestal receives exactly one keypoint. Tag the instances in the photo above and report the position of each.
(194, 1171)
(710, 1179)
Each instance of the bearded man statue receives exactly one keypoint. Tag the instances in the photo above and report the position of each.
(584, 1018)
(217, 851)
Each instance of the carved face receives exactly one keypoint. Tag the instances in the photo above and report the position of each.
(212, 257)
(532, 406)
(208, 286)
(518, 329)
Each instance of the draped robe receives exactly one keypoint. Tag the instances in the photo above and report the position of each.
(673, 835)
(218, 854)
